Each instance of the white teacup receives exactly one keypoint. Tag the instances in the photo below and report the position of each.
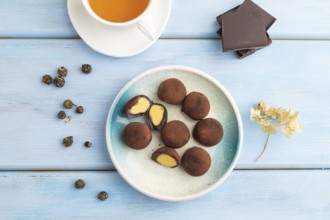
(140, 22)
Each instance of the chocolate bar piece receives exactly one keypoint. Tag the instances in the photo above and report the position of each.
(241, 53)
(250, 7)
(244, 53)
(242, 30)
(236, 22)
(219, 19)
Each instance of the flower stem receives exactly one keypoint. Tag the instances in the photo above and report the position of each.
(266, 144)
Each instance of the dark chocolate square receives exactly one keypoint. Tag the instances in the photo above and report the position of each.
(242, 30)
(219, 18)
(250, 7)
(244, 53)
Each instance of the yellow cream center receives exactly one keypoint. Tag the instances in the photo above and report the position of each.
(156, 114)
(166, 160)
(141, 106)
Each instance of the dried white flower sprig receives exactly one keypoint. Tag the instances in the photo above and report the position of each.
(273, 119)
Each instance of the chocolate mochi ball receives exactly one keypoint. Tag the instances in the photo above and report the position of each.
(196, 105)
(175, 134)
(172, 91)
(137, 106)
(137, 135)
(196, 161)
(208, 132)
(167, 157)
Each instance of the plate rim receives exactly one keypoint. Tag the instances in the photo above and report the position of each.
(190, 196)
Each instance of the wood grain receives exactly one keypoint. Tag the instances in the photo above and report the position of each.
(287, 73)
(292, 73)
(259, 195)
(297, 19)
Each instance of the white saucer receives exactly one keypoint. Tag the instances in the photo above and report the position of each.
(113, 42)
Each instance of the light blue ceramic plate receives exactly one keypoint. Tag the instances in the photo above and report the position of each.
(173, 184)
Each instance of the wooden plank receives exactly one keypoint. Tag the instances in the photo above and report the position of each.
(245, 195)
(190, 18)
(30, 133)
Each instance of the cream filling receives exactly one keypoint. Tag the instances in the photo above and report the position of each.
(166, 160)
(156, 114)
(141, 106)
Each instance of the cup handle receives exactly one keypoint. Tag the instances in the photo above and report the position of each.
(147, 29)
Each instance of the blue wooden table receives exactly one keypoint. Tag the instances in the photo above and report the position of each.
(291, 181)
